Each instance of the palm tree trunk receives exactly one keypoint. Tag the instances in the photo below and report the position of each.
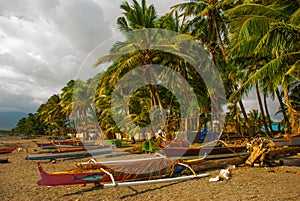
(160, 103)
(242, 107)
(245, 117)
(261, 108)
(289, 107)
(287, 101)
(267, 112)
(152, 96)
(285, 117)
(219, 38)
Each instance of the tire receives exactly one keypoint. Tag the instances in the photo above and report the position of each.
(119, 144)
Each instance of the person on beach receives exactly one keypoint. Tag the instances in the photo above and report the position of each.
(160, 140)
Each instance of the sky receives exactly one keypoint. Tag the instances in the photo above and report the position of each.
(43, 44)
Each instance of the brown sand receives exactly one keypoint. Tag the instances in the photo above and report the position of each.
(18, 181)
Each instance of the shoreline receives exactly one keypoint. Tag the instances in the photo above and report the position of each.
(19, 179)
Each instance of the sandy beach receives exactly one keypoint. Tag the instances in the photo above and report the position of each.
(18, 181)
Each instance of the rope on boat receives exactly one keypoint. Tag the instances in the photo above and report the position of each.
(189, 167)
(221, 141)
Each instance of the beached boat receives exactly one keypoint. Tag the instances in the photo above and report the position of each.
(51, 144)
(118, 173)
(209, 152)
(7, 150)
(75, 146)
(4, 160)
(69, 153)
(292, 141)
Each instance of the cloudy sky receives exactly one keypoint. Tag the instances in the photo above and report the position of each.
(43, 44)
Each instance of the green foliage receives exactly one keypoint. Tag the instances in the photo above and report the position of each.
(250, 41)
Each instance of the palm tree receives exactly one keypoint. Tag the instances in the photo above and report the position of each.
(261, 31)
(261, 108)
(136, 17)
(66, 101)
(255, 120)
(138, 51)
(83, 112)
(51, 114)
(207, 17)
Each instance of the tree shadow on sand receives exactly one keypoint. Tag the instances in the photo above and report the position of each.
(136, 192)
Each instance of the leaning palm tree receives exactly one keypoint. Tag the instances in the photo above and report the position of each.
(51, 114)
(66, 100)
(138, 51)
(263, 31)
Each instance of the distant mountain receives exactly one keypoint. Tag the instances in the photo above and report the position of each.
(8, 120)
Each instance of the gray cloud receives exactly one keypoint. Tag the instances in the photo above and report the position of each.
(43, 44)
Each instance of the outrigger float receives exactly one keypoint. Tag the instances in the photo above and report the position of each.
(123, 172)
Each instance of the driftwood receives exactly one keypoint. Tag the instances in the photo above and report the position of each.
(272, 153)
(263, 151)
(255, 154)
(221, 163)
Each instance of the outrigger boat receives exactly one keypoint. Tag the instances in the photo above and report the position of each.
(7, 150)
(4, 160)
(293, 141)
(51, 144)
(75, 146)
(70, 153)
(121, 173)
(209, 152)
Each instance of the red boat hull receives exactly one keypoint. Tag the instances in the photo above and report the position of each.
(6, 151)
(101, 174)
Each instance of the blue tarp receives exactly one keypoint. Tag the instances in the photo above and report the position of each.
(274, 128)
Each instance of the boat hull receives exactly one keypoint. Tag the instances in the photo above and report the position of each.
(4, 160)
(280, 142)
(81, 153)
(6, 151)
(210, 153)
(105, 173)
(51, 144)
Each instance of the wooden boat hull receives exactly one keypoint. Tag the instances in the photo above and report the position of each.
(211, 153)
(280, 142)
(4, 160)
(102, 174)
(6, 151)
(84, 146)
(69, 154)
(51, 144)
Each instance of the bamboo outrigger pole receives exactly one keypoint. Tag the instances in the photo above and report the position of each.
(132, 183)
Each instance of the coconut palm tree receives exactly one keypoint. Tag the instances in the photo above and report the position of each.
(207, 14)
(139, 52)
(51, 114)
(66, 101)
(262, 31)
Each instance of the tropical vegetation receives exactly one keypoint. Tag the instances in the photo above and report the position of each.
(255, 45)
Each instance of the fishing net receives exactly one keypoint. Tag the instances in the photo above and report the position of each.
(153, 168)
